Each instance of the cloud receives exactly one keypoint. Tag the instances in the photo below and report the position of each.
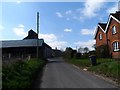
(59, 14)
(67, 30)
(88, 44)
(88, 31)
(1, 27)
(48, 37)
(53, 41)
(18, 2)
(91, 7)
(113, 9)
(68, 12)
(58, 44)
(19, 31)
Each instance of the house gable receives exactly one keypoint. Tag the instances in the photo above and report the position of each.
(101, 26)
(100, 35)
(112, 16)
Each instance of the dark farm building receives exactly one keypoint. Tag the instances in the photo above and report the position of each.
(26, 47)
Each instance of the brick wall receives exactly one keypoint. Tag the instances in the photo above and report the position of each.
(98, 41)
(113, 37)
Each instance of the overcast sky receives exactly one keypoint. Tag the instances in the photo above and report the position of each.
(62, 24)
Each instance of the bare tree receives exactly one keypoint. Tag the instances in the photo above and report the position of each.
(80, 50)
(94, 46)
(86, 49)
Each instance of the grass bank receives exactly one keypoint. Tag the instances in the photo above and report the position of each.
(20, 74)
(86, 62)
(105, 67)
(109, 69)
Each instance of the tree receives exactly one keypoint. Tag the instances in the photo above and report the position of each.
(94, 46)
(86, 49)
(80, 50)
(69, 52)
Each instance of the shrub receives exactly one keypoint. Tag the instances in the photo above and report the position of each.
(102, 51)
(19, 75)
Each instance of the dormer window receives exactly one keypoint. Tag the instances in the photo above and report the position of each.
(114, 30)
(100, 36)
(116, 46)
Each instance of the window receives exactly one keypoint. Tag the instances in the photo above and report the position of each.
(114, 30)
(116, 46)
(100, 36)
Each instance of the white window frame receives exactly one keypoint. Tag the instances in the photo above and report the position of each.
(100, 36)
(115, 46)
(114, 31)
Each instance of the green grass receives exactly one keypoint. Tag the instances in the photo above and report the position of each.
(110, 69)
(20, 74)
(80, 62)
(105, 67)
(102, 60)
(87, 62)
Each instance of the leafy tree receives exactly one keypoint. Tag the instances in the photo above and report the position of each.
(69, 52)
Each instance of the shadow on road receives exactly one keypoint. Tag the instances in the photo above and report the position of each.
(55, 61)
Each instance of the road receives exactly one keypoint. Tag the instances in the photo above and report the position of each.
(59, 74)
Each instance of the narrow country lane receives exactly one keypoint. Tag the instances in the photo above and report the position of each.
(59, 74)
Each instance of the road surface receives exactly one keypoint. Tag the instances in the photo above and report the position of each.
(59, 74)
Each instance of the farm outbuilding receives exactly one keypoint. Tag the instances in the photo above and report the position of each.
(26, 48)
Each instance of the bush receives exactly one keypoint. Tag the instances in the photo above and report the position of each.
(19, 75)
(103, 51)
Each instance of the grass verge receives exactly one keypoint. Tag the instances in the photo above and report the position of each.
(20, 74)
(109, 69)
(105, 67)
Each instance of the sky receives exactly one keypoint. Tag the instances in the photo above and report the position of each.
(62, 24)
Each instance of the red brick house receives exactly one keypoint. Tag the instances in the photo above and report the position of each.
(100, 34)
(108, 34)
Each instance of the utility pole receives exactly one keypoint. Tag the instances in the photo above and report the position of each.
(76, 49)
(38, 34)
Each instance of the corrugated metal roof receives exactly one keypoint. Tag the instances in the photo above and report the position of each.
(22, 43)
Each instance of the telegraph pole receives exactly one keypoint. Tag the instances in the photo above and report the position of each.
(38, 34)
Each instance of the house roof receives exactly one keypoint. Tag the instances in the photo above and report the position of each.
(31, 35)
(115, 16)
(22, 43)
(102, 26)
